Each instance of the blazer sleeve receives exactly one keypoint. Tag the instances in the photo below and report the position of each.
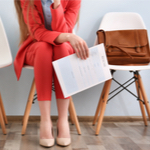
(36, 26)
(65, 21)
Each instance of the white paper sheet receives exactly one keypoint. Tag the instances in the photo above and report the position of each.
(76, 75)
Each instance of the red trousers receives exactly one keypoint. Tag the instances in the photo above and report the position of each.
(40, 55)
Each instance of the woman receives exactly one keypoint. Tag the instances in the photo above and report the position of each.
(46, 35)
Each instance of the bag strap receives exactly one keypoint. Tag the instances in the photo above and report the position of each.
(108, 46)
(118, 48)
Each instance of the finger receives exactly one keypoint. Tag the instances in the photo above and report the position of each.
(86, 50)
(83, 50)
(77, 52)
(80, 51)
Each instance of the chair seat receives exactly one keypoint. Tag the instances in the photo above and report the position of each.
(28, 67)
(115, 67)
(129, 68)
(2, 65)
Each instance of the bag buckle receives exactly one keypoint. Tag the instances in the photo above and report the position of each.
(137, 48)
(107, 48)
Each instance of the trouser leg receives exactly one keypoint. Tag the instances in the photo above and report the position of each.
(39, 55)
(59, 52)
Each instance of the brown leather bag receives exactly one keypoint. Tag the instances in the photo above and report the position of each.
(125, 47)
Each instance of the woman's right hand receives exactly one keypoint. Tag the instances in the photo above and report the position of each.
(79, 45)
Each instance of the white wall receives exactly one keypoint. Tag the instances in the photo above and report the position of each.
(15, 93)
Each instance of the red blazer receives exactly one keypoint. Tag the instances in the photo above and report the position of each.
(63, 20)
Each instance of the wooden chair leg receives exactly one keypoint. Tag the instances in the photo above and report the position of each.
(71, 115)
(74, 116)
(144, 96)
(2, 122)
(28, 107)
(104, 102)
(99, 106)
(141, 104)
(3, 110)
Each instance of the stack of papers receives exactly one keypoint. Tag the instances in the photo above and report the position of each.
(76, 75)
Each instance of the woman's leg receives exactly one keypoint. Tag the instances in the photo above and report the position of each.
(45, 124)
(61, 51)
(62, 124)
(39, 55)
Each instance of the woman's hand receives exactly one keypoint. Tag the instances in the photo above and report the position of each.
(56, 3)
(79, 45)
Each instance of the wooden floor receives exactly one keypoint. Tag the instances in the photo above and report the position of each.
(113, 136)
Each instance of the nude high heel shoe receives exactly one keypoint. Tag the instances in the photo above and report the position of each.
(47, 142)
(63, 141)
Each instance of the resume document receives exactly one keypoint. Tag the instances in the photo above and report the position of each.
(76, 75)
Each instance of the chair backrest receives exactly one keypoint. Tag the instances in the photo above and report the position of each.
(5, 53)
(121, 21)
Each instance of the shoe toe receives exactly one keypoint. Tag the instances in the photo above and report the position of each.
(47, 142)
(63, 141)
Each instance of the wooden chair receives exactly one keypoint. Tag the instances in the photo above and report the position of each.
(122, 21)
(5, 60)
(72, 111)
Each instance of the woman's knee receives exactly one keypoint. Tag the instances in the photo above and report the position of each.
(43, 50)
(62, 50)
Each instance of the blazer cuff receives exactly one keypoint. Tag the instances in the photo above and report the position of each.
(54, 37)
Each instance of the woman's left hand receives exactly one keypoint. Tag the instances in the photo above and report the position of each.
(56, 3)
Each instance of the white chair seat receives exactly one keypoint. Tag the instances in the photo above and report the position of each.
(28, 67)
(6, 64)
(129, 68)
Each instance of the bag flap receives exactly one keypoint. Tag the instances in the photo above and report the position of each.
(123, 38)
